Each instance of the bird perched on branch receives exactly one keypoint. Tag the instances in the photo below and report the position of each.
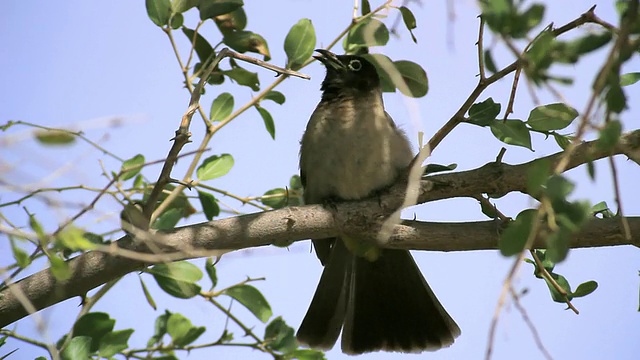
(378, 297)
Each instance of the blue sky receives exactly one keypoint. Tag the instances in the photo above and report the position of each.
(106, 69)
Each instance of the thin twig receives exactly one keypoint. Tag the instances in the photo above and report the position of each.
(545, 274)
(532, 328)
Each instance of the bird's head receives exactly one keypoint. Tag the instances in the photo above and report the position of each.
(347, 74)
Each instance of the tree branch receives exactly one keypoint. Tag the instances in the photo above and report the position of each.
(291, 224)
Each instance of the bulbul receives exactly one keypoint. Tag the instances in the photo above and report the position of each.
(351, 148)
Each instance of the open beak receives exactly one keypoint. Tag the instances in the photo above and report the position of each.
(329, 59)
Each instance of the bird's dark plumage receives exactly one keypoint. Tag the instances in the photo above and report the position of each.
(351, 148)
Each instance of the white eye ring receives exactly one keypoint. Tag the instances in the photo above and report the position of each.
(355, 65)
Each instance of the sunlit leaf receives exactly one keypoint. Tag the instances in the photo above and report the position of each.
(178, 278)
(551, 117)
(268, 121)
(213, 8)
(214, 167)
(252, 299)
(512, 132)
(131, 167)
(158, 11)
(299, 43)
(221, 107)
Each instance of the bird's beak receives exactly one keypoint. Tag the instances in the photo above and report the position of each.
(329, 59)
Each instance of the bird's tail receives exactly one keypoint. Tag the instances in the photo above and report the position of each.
(385, 305)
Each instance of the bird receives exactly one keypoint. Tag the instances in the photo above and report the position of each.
(351, 149)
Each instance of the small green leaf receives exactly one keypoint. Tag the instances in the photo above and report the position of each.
(244, 77)
(603, 209)
(212, 8)
(214, 167)
(616, 99)
(585, 289)
(94, 326)
(564, 284)
(540, 49)
(131, 167)
(160, 329)
(243, 41)
(181, 330)
(268, 121)
(306, 354)
(209, 205)
(178, 278)
(114, 342)
(221, 107)
(299, 43)
(512, 132)
(279, 336)
(276, 198)
(275, 96)
(366, 7)
(537, 176)
(610, 135)
(158, 11)
(551, 117)
(514, 237)
(409, 21)
(562, 140)
(22, 258)
(383, 65)
(147, 294)
(489, 64)
(54, 137)
(252, 299)
(176, 22)
(168, 219)
(210, 268)
(180, 6)
(230, 22)
(629, 78)
(414, 77)
(371, 32)
(558, 187)
(484, 113)
(201, 46)
(72, 238)
(78, 349)
(59, 268)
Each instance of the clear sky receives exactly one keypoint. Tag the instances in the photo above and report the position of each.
(106, 69)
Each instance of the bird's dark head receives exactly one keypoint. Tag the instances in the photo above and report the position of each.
(347, 74)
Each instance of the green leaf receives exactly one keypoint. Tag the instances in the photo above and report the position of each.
(178, 278)
(59, 268)
(160, 329)
(244, 77)
(610, 135)
(252, 299)
(168, 219)
(212, 8)
(147, 294)
(540, 49)
(489, 64)
(562, 140)
(484, 113)
(243, 41)
(570, 51)
(221, 107)
(180, 6)
(616, 99)
(72, 238)
(551, 117)
(114, 342)
(78, 349)
(279, 336)
(94, 326)
(529, 19)
(366, 7)
(537, 176)
(158, 11)
(22, 258)
(629, 78)
(299, 43)
(233, 21)
(210, 268)
(295, 183)
(209, 205)
(434, 168)
(383, 65)
(414, 78)
(275, 96)
(409, 21)
(176, 22)
(268, 121)
(306, 354)
(214, 167)
(131, 167)
(201, 46)
(181, 330)
(54, 137)
(603, 209)
(371, 32)
(276, 198)
(514, 237)
(564, 284)
(558, 187)
(512, 132)
(585, 289)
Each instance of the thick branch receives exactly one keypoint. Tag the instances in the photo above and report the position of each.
(288, 225)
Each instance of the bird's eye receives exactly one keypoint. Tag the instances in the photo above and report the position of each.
(355, 65)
